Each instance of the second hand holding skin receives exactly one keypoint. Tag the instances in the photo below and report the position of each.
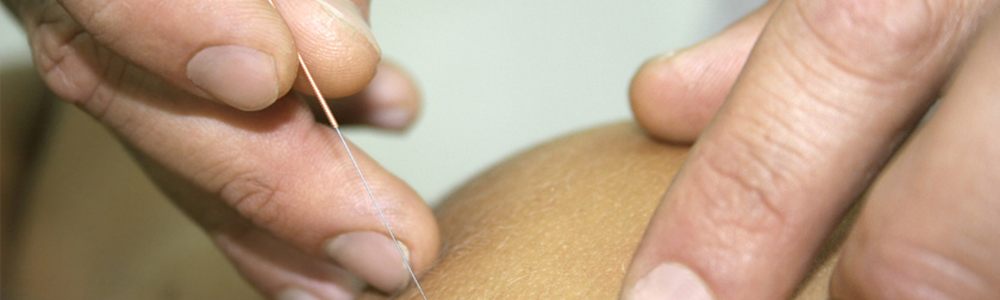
(194, 89)
(830, 92)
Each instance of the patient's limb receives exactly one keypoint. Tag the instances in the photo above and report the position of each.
(560, 221)
(504, 232)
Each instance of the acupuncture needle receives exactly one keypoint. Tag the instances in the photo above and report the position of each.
(333, 123)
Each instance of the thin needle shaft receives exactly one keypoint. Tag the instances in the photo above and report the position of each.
(381, 215)
(333, 122)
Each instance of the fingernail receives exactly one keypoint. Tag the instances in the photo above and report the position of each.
(670, 281)
(350, 14)
(660, 58)
(295, 294)
(390, 117)
(372, 257)
(665, 56)
(241, 77)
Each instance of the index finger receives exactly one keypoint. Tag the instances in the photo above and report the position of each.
(335, 41)
(831, 87)
(238, 52)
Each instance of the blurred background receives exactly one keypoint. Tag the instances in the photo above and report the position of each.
(500, 76)
(496, 78)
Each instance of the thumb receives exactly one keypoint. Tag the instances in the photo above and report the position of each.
(279, 195)
(238, 52)
(336, 43)
(675, 95)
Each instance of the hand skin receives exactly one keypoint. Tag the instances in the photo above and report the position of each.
(562, 220)
(797, 111)
(559, 221)
(202, 94)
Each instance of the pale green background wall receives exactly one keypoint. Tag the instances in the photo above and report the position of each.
(499, 76)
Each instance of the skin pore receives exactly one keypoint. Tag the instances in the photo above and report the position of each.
(560, 221)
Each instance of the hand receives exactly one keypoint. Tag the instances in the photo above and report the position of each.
(199, 91)
(823, 110)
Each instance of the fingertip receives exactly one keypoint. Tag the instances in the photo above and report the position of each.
(356, 17)
(364, 245)
(239, 53)
(394, 97)
(342, 55)
(391, 118)
(280, 271)
(674, 96)
(373, 257)
(239, 76)
(391, 101)
(371, 253)
(660, 100)
(669, 281)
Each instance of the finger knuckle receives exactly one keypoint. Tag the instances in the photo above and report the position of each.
(254, 196)
(737, 179)
(897, 269)
(63, 53)
(890, 29)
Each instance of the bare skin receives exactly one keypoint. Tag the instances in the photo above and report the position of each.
(797, 111)
(560, 221)
(204, 95)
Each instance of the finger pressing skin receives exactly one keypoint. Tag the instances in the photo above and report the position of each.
(336, 44)
(238, 52)
(930, 228)
(272, 266)
(391, 101)
(675, 95)
(830, 89)
(283, 273)
(284, 173)
(277, 169)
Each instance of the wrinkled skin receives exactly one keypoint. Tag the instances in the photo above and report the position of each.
(798, 110)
